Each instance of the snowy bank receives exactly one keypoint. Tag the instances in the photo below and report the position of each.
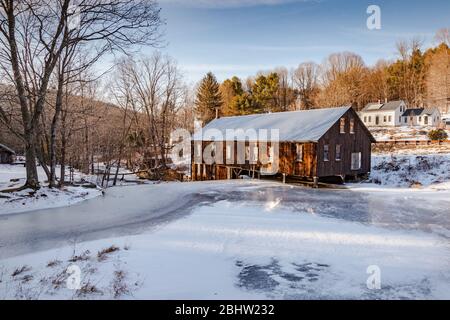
(401, 133)
(13, 176)
(410, 170)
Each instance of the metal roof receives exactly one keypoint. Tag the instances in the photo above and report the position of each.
(418, 112)
(2, 146)
(388, 106)
(296, 126)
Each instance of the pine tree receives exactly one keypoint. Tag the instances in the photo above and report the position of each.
(208, 99)
(231, 89)
(264, 92)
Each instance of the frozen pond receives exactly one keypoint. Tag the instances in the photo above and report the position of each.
(248, 239)
(135, 209)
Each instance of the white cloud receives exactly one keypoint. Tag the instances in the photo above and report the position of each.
(228, 3)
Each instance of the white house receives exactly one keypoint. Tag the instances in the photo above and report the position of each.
(383, 114)
(446, 120)
(422, 117)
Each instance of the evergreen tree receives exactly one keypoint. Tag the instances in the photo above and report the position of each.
(264, 92)
(208, 98)
(244, 104)
(230, 90)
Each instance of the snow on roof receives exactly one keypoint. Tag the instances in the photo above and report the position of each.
(391, 105)
(300, 126)
(2, 146)
(418, 112)
(413, 112)
(375, 106)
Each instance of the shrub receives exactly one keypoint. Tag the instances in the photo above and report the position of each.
(438, 134)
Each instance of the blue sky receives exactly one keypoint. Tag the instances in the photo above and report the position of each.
(242, 37)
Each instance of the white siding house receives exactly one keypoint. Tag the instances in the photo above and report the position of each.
(395, 113)
(422, 117)
(383, 114)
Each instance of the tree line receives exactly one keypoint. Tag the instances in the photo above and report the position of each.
(58, 111)
(50, 99)
(420, 78)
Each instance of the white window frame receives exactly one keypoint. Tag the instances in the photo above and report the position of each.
(299, 150)
(342, 125)
(326, 147)
(352, 126)
(338, 146)
(356, 161)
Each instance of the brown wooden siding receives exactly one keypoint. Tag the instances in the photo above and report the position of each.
(289, 163)
(312, 165)
(360, 141)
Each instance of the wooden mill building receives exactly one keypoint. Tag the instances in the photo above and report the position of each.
(313, 145)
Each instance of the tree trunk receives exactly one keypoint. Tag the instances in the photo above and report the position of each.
(30, 164)
(54, 128)
(87, 151)
(117, 170)
(63, 163)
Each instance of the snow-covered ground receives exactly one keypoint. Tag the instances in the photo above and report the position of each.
(234, 239)
(411, 170)
(253, 239)
(14, 176)
(401, 133)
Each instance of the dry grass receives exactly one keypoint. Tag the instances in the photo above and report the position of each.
(51, 281)
(20, 270)
(103, 254)
(53, 263)
(119, 284)
(82, 257)
(27, 278)
(88, 289)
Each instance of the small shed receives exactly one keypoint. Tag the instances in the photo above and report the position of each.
(313, 144)
(7, 155)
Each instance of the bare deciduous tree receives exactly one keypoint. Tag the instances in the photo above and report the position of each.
(306, 78)
(35, 33)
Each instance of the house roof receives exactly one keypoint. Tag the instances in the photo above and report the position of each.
(388, 106)
(412, 112)
(298, 126)
(2, 146)
(418, 112)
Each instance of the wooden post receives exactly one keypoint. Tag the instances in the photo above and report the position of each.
(284, 177)
(316, 182)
